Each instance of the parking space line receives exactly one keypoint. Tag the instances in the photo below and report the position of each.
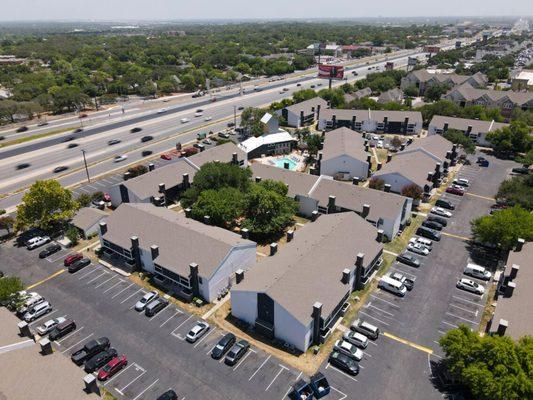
(344, 395)
(176, 313)
(125, 387)
(57, 273)
(87, 274)
(450, 324)
(118, 283)
(99, 276)
(464, 309)
(370, 316)
(104, 282)
(120, 373)
(441, 332)
(180, 325)
(290, 386)
(59, 258)
(343, 373)
(77, 343)
(408, 343)
(408, 274)
(42, 316)
(276, 377)
(379, 309)
(159, 313)
(206, 335)
(470, 294)
(127, 287)
(462, 318)
(58, 342)
(468, 301)
(481, 197)
(385, 301)
(215, 345)
(130, 296)
(261, 366)
(244, 358)
(145, 390)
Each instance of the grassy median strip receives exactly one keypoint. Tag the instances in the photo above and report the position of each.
(33, 137)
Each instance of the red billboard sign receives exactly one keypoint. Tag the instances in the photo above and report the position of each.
(330, 71)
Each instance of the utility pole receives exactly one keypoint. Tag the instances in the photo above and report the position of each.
(86, 169)
(234, 116)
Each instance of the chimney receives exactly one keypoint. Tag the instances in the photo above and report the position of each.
(161, 188)
(103, 228)
(257, 179)
(195, 285)
(245, 233)
(449, 155)
(519, 244)
(286, 165)
(207, 220)
(355, 180)
(239, 276)
(301, 117)
(430, 176)
(514, 271)
(320, 154)
(134, 241)
(151, 167)
(154, 250)
(135, 252)
(273, 248)
(437, 167)
(234, 158)
(386, 188)
(369, 171)
(317, 311)
(360, 260)
(331, 204)
(389, 158)
(318, 111)
(366, 210)
(445, 164)
(185, 181)
(502, 327)
(380, 236)
(367, 147)
(385, 122)
(445, 128)
(290, 235)
(379, 166)
(402, 147)
(469, 129)
(178, 146)
(334, 121)
(314, 215)
(188, 212)
(345, 276)
(509, 289)
(353, 123)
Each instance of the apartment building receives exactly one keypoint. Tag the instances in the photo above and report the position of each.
(305, 113)
(423, 79)
(475, 129)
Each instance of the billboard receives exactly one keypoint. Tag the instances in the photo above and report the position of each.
(330, 71)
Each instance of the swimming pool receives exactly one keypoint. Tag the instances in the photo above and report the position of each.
(280, 163)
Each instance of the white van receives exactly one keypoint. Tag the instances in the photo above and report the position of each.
(367, 329)
(33, 299)
(37, 311)
(392, 285)
(37, 242)
(477, 271)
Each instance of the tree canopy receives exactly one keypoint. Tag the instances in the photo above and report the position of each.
(413, 191)
(517, 191)
(461, 139)
(512, 139)
(223, 206)
(8, 286)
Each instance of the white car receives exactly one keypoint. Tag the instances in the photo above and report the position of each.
(462, 182)
(37, 242)
(470, 286)
(441, 211)
(208, 118)
(375, 137)
(197, 331)
(380, 144)
(198, 114)
(30, 299)
(37, 311)
(162, 110)
(120, 158)
(426, 242)
(49, 325)
(418, 248)
(147, 298)
(349, 349)
(184, 120)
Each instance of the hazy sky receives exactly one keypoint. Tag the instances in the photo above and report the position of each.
(203, 9)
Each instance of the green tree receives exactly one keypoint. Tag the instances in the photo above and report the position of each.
(7, 223)
(396, 142)
(274, 186)
(335, 97)
(512, 139)
(461, 139)
(517, 190)
(223, 206)
(413, 191)
(73, 235)
(9, 285)
(376, 183)
(504, 227)
(435, 92)
(491, 367)
(411, 91)
(313, 142)
(251, 120)
(302, 95)
(84, 200)
(527, 159)
(45, 205)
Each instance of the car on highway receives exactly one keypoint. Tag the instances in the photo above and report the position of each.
(80, 264)
(22, 129)
(49, 250)
(145, 139)
(99, 360)
(470, 286)
(83, 116)
(168, 395)
(113, 141)
(418, 248)
(78, 130)
(146, 153)
(240, 108)
(120, 158)
(59, 169)
(89, 349)
(69, 139)
(298, 84)
(238, 350)
(198, 113)
(208, 119)
(49, 325)
(72, 145)
(145, 300)
(112, 367)
(162, 110)
(37, 242)
(441, 212)
(407, 282)
(433, 225)
(344, 363)
(136, 129)
(62, 329)
(22, 166)
(230, 124)
(223, 345)
(408, 259)
(313, 86)
(349, 349)
(457, 190)
(184, 120)
(197, 331)
(166, 156)
(72, 259)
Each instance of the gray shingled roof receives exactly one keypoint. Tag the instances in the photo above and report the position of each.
(344, 141)
(433, 144)
(414, 166)
(470, 93)
(181, 240)
(307, 105)
(309, 269)
(86, 217)
(462, 124)
(222, 153)
(377, 115)
(424, 76)
(299, 183)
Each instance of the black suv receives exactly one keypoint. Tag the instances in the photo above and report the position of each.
(438, 220)
(49, 250)
(408, 259)
(99, 360)
(62, 329)
(223, 346)
(432, 225)
(445, 204)
(79, 265)
(428, 233)
(90, 349)
(168, 395)
(343, 362)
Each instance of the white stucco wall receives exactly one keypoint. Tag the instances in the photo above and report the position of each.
(344, 163)
(244, 304)
(306, 205)
(289, 329)
(395, 180)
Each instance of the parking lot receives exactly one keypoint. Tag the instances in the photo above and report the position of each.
(401, 363)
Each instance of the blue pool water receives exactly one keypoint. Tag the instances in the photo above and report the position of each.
(280, 163)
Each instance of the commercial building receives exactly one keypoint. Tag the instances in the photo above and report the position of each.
(190, 258)
(323, 195)
(513, 296)
(343, 155)
(375, 121)
(305, 113)
(161, 185)
(475, 129)
(87, 220)
(423, 79)
(298, 294)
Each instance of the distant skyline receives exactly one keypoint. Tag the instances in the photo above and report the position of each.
(45, 10)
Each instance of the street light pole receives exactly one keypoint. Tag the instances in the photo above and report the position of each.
(234, 116)
(86, 169)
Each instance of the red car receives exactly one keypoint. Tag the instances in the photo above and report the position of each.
(456, 191)
(107, 197)
(166, 156)
(112, 367)
(72, 259)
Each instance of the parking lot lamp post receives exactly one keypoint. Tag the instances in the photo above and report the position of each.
(86, 169)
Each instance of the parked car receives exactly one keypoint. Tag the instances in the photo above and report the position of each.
(356, 339)
(344, 363)
(113, 141)
(418, 248)
(521, 170)
(197, 332)
(432, 225)
(365, 328)
(112, 367)
(99, 360)
(49, 325)
(59, 169)
(120, 158)
(207, 141)
(155, 306)
(223, 345)
(223, 135)
(426, 242)
(24, 237)
(49, 250)
(428, 233)
(438, 220)
(407, 282)
(392, 286)
(455, 190)
(477, 271)
(441, 212)
(238, 350)
(37, 311)
(69, 260)
(445, 204)
(166, 156)
(29, 300)
(408, 259)
(345, 347)
(62, 329)
(145, 139)
(90, 349)
(145, 300)
(80, 264)
(37, 242)
(461, 182)
(168, 395)
(470, 286)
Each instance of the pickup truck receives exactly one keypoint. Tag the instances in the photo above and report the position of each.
(90, 349)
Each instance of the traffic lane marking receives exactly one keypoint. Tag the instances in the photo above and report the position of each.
(455, 236)
(480, 197)
(62, 270)
(408, 343)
